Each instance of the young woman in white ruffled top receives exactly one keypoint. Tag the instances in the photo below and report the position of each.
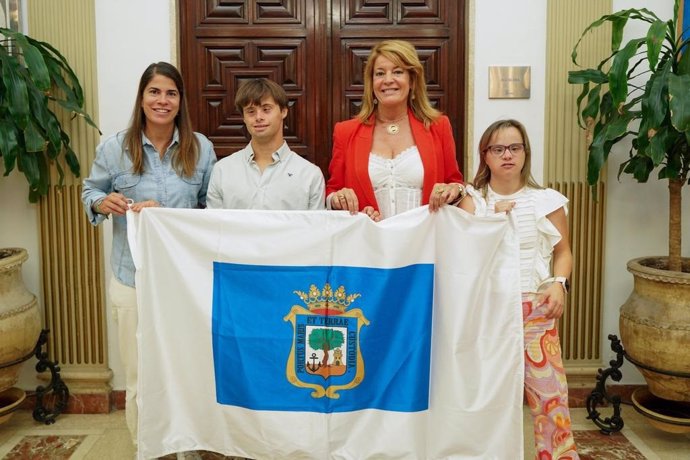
(504, 183)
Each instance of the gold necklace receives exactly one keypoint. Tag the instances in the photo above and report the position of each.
(392, 126)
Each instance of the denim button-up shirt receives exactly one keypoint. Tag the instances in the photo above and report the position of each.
(112, 172)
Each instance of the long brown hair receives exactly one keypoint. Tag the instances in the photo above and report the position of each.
(402, 54)
(483, 176)
(186, 154)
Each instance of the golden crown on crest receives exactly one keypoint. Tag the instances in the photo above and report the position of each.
(327, 299)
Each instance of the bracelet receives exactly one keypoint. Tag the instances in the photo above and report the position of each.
(97, 205)
(562, 280)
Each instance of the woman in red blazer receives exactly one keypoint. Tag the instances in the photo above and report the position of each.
(399, 152)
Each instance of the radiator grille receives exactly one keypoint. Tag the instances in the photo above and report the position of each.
(72, 279)
(565, 162)
(581, 323)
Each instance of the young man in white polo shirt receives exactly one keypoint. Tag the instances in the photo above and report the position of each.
(266, 174)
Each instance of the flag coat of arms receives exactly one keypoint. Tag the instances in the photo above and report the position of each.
(321, 335)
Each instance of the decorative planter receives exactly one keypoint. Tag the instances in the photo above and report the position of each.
(655, 326)
(20, 319)
(669, 416)
(10, 400)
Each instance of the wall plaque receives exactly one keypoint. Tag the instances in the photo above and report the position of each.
(509, 82)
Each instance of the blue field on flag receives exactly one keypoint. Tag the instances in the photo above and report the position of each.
(322, 339)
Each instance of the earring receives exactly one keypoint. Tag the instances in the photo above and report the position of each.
(376, 101)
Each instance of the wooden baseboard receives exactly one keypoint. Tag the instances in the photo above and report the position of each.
(83, 403)
(577, 397)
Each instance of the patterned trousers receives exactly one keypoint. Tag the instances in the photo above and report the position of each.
(546, 388)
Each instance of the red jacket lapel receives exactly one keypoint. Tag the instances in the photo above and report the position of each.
(425, 144)
(363, 140)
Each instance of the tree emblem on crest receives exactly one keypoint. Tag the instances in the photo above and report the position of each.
(325, 345)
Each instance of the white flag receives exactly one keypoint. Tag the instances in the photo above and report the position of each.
(321, 335)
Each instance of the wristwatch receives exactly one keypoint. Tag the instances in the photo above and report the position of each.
(463, 194)
(564, 282)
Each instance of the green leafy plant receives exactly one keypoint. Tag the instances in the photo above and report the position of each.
(35, 81)
(654, 114)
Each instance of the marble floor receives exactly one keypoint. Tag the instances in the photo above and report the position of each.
(104, 437)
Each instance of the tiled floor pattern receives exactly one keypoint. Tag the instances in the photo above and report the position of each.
(103, 437)
(46, 447)
(593, 445)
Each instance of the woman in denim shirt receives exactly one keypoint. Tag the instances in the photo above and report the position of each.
(157, 161)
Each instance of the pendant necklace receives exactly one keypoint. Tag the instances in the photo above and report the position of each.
(392, 127)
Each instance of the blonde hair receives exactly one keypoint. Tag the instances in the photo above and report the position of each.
(402, 54)
(483, 176)
(186, 153)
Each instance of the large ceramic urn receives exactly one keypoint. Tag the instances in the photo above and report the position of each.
(655, 326)
(20, 319)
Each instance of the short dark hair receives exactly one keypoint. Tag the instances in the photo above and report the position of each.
(252, 91)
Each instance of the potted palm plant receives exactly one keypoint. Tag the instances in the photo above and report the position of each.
(36, 81)
(640, 93)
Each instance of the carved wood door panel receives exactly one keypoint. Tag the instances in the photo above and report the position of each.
(316, 49)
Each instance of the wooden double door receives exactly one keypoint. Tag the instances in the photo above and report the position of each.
(316, 49)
